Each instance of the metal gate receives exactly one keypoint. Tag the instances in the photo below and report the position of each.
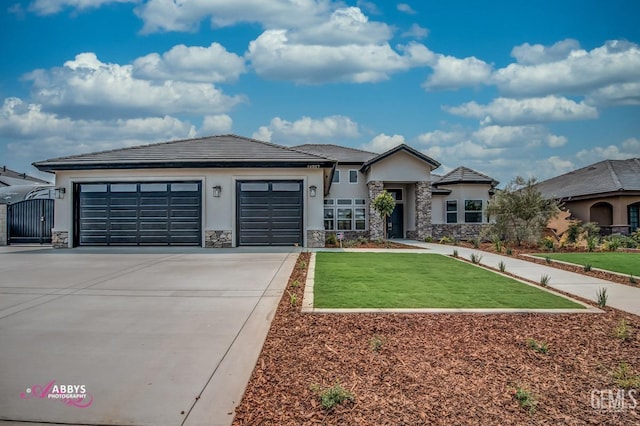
(30, 221)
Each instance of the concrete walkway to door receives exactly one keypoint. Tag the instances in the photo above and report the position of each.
(623, 297)
(157, 336)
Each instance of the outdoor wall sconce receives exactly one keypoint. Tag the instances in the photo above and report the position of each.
(58, 193)
(312, 190)
(217, 190)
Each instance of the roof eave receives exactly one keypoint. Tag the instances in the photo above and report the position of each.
(52, 167)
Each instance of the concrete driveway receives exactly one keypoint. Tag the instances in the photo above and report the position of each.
(143, 336)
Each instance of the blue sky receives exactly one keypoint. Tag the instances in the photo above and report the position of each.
(506, 87)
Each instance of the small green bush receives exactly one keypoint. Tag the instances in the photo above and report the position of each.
(476, 258)
(632, 280)
(623, 330)
(509, 251)
(428, 239)
(624, 377)
(331, 239)
(502, 266)
(548, 243)
(587, 267)
(541, 348)
(592, 242)
(601, 297)
(376, 343)
(476, 242)
(446, 240)
(544, 280)
(455, 254)
(332, 396)
(498, 245)
(526, 399)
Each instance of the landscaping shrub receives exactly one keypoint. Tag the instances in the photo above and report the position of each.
(541, 347)
(526, 399)
(548, 243)
(601, 296)
(332, 396)
(331, 239)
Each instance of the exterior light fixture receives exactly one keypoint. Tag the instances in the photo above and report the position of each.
(217, 190)
(312, 190)
(58, 193)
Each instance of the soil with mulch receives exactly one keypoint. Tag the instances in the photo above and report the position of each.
(443, 369)
(522, 252)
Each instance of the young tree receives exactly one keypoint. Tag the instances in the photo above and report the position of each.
(384, 205)
(520, 213)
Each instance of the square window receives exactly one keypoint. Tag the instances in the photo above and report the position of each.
(473, 211)
(353, 176)
(345, 219)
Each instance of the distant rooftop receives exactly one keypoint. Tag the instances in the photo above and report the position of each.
(605, 177)
(340, 153)
(217, 151)
(465, 175)
(10, 177)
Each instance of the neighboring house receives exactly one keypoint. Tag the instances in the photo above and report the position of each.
(607, 193)
(227, 191)
(15, 187)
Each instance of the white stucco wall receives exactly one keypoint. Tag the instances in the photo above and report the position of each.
(400, 167)
(460, 192)
(344, 189)
(218, 212)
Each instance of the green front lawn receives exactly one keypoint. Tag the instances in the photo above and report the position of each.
(407, 280)
(624, 263)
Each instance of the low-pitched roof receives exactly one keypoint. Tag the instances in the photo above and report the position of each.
(401, 147)
(10, 177)
(213, 151)
(604, 177)
(342, 154)
(465, 175)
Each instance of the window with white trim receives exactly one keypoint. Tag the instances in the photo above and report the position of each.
(452, 211)
(345, 214)
(353, 176)
(473, 211)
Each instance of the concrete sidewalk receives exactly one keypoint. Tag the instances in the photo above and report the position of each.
(623, 297)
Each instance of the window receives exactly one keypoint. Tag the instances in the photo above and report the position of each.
(329, 223)
(285, 186)
(360, 216)
(395, 193)
(353, 176)
(452, 211)
(360, 201)
(153, 187)
(345, 219)
(329, 201)
(344, 201)
(336, 176)
(473, 211)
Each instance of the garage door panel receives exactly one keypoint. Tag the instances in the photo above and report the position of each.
(269, 213)
(134, 213)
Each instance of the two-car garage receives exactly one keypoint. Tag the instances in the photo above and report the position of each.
(169, 213)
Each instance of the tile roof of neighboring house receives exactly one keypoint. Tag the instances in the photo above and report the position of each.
(10, 177)
(213, 151)
(465, 175)
(401, 147)
(340, 153)
(608, 176)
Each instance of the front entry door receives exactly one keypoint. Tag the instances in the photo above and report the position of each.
(395, 223)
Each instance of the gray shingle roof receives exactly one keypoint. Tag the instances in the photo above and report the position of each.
(401, 147)
(340, 153)
(10, 177)
(465, 175)
(608, 176)
(213, 151)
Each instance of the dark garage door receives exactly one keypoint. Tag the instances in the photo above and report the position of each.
(139, 213)
(269, 213)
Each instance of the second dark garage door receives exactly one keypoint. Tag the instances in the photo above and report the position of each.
(139, 213)
(269, 213)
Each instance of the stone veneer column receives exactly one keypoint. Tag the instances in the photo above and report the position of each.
(3, 224)
(59, 239)
(315, 238)
(376, 225)
(423, 210)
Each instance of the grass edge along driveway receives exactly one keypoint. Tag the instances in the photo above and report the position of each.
(416, 280)
(620, 262)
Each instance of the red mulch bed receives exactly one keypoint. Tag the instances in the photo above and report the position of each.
(438, 369)
(372, 244)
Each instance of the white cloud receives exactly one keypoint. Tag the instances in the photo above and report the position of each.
(531, 136)
(49, 7)
(531, 110)
(615, 94)
(527, 54)
(211, 64)
(579, 72)
(382, 143)
(630, 148)
(88, 87)
(439, 137)
(215, 125)
(39, 134)
(345, 26)
(452, 73)
(274, 56)
(164, 15)
(405, 8)
(416, 31)
(368, 6)
(307, 129)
